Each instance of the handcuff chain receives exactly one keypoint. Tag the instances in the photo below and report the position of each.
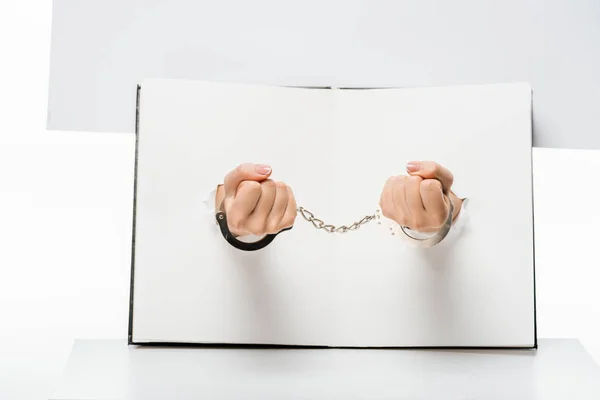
(319, 224)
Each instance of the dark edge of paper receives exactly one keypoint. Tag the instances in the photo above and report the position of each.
(535, 336)
(137, 130)
(281, 346)
(274, 346)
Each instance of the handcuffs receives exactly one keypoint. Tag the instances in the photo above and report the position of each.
(438, 236)
(427, 242)
(221, 217)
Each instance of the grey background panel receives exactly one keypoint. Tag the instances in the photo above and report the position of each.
(108, 369)
(102, 48)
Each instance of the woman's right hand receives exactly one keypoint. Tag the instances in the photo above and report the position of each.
(255, 204)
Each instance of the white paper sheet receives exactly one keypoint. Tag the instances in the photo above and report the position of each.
(336, 148)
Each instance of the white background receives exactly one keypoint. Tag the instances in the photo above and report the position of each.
(65, 223)
(102, 48)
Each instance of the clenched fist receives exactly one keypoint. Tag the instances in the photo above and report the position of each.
(255, 204)
(419, 201)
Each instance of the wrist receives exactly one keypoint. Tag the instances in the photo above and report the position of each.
(220, 195)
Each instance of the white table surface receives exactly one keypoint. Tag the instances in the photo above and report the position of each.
(109, 369)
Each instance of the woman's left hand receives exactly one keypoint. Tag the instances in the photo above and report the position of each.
(419, 201)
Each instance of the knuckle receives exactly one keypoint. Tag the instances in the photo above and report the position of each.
(281, 185)
(272, 227)
(267, 184)
(257, 228)
(431, 184)
(235, 221)
(250, 185)
(288, 221)
(417, 222)
(415, 179)
(430, 167)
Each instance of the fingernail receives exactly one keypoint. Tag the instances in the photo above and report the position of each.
(263, 169)
(413, 166)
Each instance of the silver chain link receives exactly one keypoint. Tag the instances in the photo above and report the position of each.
(319, 224)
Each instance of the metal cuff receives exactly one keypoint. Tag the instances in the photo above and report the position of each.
(238, 244)
(439, 235)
